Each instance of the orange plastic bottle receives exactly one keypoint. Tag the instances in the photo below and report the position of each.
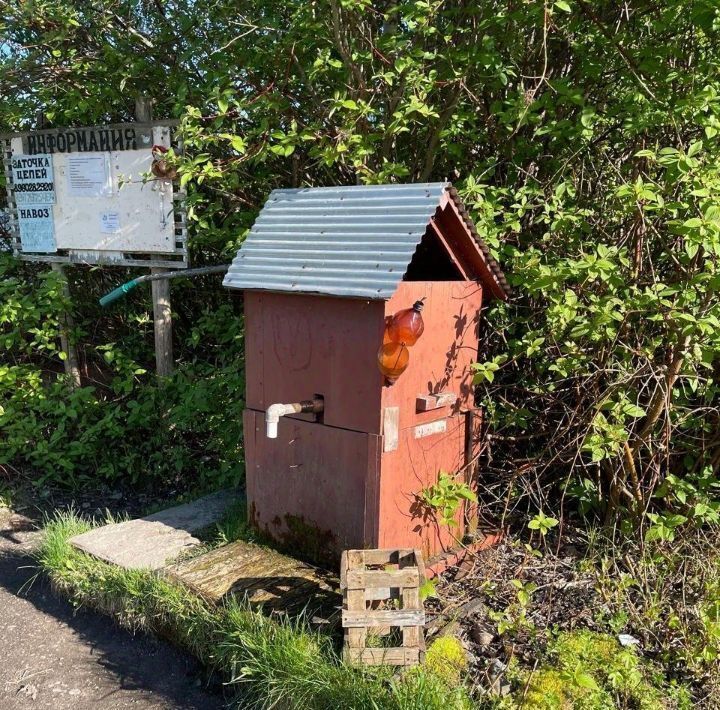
(407, 325)
(393, 359)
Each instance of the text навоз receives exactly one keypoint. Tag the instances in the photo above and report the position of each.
(34, 212)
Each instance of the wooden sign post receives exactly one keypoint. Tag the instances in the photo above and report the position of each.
(72, 370)
(162, 313)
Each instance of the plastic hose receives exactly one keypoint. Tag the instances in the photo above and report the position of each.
(117, 293)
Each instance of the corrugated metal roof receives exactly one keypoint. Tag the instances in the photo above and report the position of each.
(343, 241)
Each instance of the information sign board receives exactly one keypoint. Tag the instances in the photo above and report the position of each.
(97, 139)
(89, 195)
(89, 175)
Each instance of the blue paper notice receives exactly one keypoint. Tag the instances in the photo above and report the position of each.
(37, 233)
(32, 177)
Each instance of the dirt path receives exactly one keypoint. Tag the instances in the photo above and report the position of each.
(53, 657)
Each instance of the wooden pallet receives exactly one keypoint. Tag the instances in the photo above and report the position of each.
(381, 598)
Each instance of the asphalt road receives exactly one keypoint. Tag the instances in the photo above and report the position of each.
(54, 657)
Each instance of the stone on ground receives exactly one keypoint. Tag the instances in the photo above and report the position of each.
(154, 541)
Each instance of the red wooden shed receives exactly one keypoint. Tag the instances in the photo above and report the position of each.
(321, 270)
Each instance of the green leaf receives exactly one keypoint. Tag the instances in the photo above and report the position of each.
(632, 410)
(238, 144)
(695, 148)
(428, 589)
(584, 680)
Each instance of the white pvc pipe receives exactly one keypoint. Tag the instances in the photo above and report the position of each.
(273, 414)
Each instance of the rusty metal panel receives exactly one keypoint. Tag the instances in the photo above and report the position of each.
(307, 488)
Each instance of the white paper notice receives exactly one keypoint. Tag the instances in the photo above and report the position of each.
(88, 176)
(110, 222)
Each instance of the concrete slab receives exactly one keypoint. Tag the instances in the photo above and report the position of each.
(154, 541)
(264, 577)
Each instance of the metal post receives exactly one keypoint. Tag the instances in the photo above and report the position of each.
(72, 370)
(162, 312)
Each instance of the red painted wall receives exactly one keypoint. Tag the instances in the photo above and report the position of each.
(298, 346)
(439, 362)
(315, 478)
(333, 475)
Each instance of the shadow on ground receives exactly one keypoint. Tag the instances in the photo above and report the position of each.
(52, 656)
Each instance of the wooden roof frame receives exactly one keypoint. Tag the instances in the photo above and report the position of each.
(468, 253)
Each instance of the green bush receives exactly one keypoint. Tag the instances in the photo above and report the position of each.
(591, 671)
(125, 427)
(669, 597)
(584, 138)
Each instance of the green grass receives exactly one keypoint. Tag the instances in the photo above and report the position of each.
(269, 663)
(234, 525)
